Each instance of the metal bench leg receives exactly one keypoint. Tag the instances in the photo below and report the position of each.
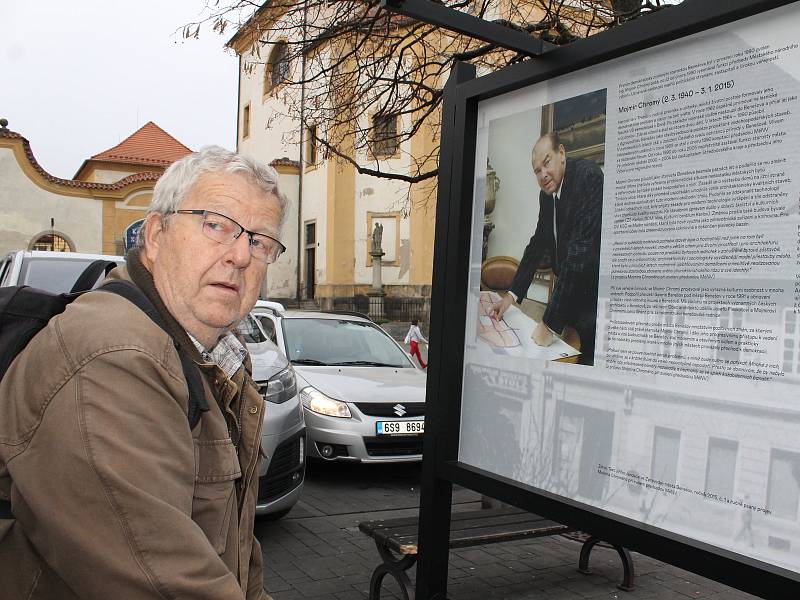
(396, 568)
(627, 584)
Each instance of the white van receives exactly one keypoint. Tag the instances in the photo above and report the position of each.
(50, 271)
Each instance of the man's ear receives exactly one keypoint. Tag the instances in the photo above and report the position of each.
(153, 229)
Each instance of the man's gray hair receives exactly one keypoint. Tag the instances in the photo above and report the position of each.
(181, 176)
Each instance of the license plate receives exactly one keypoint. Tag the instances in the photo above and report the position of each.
(400, 427)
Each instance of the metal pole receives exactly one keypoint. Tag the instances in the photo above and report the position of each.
(437, 491)
(454, 20)
(301, 161)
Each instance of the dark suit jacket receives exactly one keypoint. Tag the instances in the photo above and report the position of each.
(576, 260)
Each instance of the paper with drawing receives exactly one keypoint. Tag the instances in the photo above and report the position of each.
(512, 334)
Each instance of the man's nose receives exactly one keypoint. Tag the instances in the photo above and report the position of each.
(238, 252)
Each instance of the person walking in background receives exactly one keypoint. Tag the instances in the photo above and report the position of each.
(413, 338)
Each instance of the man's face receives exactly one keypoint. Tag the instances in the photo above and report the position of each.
(207, 286)
(548, 165)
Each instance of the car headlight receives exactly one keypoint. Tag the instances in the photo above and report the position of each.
(280, 388)
(317, 402)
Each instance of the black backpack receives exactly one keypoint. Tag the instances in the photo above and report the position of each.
(24, 311)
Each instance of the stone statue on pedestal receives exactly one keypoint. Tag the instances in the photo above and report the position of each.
(376, 292)
(377, 235)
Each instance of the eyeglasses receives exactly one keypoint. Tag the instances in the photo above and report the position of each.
(225, 230)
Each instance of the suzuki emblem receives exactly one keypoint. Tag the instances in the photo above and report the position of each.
(399, 410)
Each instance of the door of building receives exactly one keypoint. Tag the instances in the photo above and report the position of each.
(311, 239)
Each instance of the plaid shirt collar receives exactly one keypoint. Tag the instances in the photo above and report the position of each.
(228, 354)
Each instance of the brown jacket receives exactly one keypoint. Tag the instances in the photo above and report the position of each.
(113, 495)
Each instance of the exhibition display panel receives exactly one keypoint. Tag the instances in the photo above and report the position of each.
(642, 383)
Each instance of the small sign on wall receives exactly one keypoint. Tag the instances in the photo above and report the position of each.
(132, 233)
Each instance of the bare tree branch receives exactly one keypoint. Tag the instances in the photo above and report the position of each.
(362, 62)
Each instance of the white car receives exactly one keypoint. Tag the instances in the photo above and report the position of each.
(363, 396)
(283, 437)
(50, 271)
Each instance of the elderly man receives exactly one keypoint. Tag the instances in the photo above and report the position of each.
(114, 494)
(568, 232)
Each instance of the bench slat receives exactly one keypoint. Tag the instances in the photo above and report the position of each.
(466, 529)
(475, 520)
(493, 535)
(405, 543)
(379, 524)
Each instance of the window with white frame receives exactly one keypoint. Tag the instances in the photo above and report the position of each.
(674, 321)
(721, 466)
(666, 449)
(729, 339)
(783, 487)
(791, 336)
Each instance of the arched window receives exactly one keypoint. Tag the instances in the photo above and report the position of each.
(277, 70)
(52, 242)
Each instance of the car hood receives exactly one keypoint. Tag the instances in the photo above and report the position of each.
(365, 384)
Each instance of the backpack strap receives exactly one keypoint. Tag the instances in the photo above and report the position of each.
(91, 274)
(197, 398)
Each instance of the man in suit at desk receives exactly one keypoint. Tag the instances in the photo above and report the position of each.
(567, 237)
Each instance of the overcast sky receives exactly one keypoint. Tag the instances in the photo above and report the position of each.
(76, 78)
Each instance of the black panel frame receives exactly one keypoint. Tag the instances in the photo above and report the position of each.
(441, 468)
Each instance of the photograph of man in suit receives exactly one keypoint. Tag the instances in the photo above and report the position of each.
(567, 238)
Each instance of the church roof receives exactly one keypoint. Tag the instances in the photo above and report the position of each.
(149, 145)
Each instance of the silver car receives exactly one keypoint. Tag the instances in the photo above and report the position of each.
(364, 398)
(280, 476)
(283, 439)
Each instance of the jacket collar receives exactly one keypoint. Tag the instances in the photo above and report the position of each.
(144, 281)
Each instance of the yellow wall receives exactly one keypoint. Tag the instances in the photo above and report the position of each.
(116, 219)
(117, 215)
(340, 244)
(340, 248)
(423, 210)
(106, 172)
(423, 196)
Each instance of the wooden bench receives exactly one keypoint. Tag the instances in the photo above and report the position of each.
(396, 540)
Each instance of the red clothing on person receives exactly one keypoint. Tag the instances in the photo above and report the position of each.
(415, 352)
(413, 338)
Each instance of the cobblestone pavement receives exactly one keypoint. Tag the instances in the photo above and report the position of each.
(317, 551)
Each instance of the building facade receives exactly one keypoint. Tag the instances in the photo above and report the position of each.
(89, 213)
(335, 209)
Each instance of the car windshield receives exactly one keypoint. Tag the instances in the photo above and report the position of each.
(55, 275)
(249, 330)
(341, 342)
